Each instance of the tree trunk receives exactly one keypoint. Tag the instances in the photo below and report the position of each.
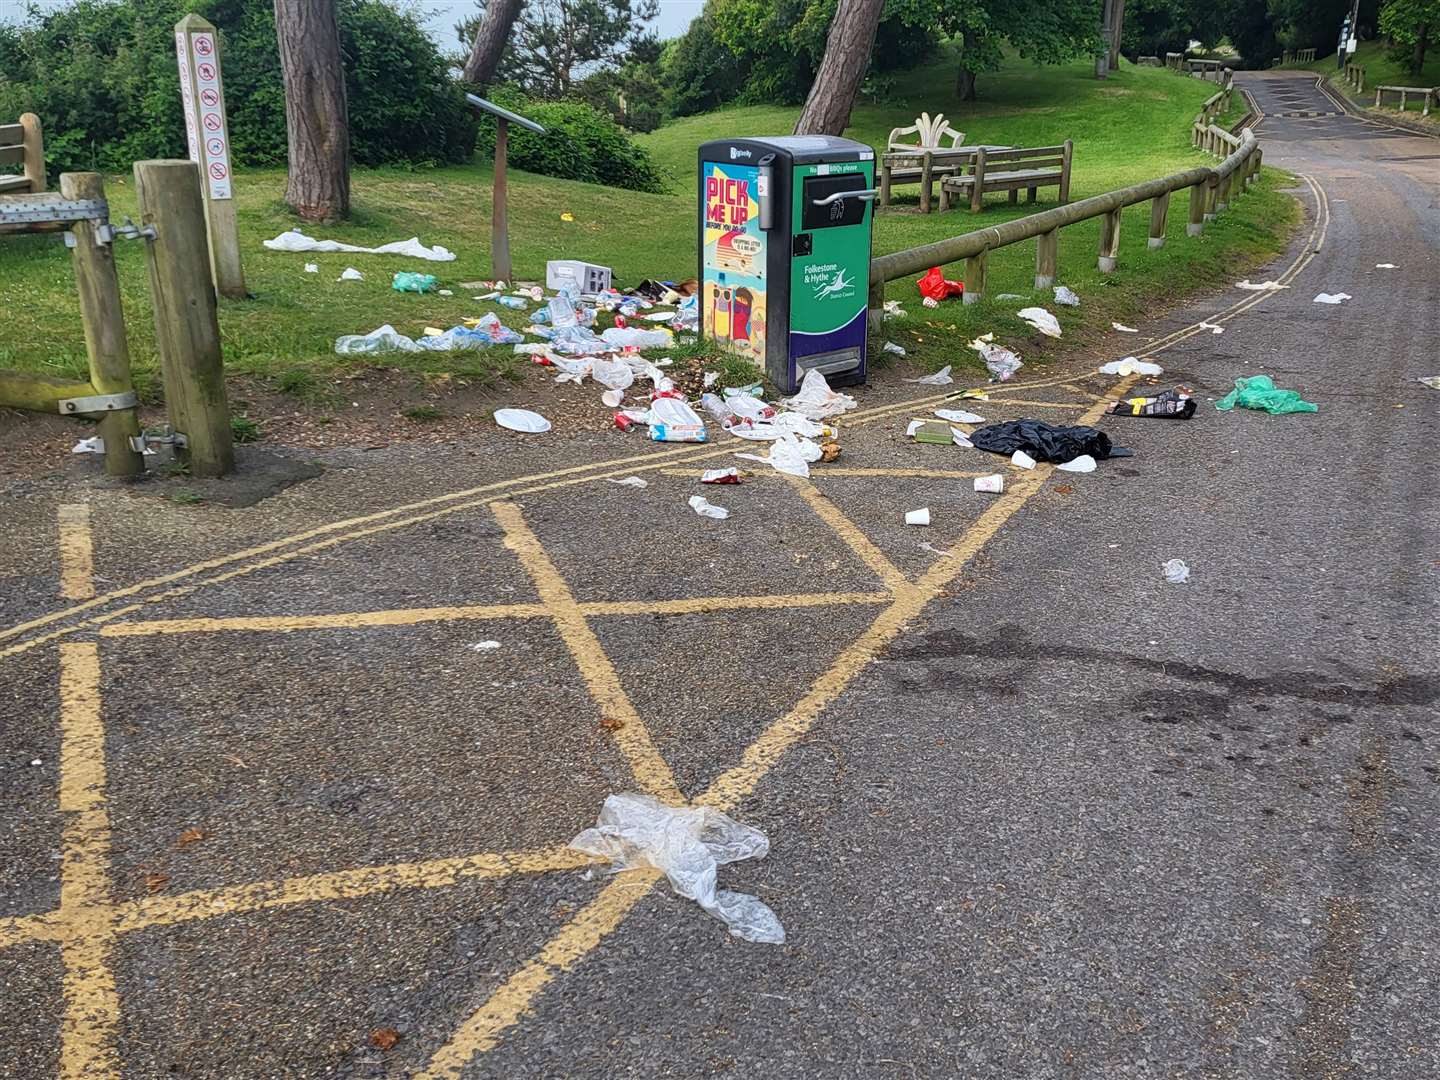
(308, 32)
(842, 68)
(490, 41)
(1417, 58)
(1117, 27)
(965, 85)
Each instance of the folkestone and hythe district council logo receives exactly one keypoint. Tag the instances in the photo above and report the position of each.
(830, 281)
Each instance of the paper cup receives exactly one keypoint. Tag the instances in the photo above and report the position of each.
(918, 517)
(994, 483)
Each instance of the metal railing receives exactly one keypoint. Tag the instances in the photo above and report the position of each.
(1212, 189)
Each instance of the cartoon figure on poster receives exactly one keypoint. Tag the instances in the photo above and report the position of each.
(733, 295)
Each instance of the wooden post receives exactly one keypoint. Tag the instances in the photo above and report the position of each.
(979, 181)
(1377, 97)
(884, 181)
(98, 288)
(975, 271)
(1159, 210)
(1066, 156)
(1109, 242)
(202, 95)
(1047, 258)
(187, 333)
(1196, 225)
(1360, 83)
(34, 143)
(1210, 186)
(875, 314)
(1222, 192)
(927, 173)
(499, 222)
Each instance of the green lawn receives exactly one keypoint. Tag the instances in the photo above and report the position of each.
(1131, 127)
(1382, 70)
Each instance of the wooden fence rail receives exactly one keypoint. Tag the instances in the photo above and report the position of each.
(1425, 93)
(1212, 189)
(1355, 77)
(23, 144)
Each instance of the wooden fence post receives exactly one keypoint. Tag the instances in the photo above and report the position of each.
(33, 141)
(1109, 242)
(1159, 210)
(187, 333)
(1047, 258)
(98, 288)
(977, 189)
(927, 172)
(1196, 225)
(975, 272)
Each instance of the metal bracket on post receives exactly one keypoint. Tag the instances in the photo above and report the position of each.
(176, 440)
(98, 403)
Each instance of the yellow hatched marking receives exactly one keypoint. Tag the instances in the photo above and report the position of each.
(92, 1006)
(18, 929)
(632, 737)
(77, 556)
(342, 885)
(284, 624)
(857, 541)
(483, 1028)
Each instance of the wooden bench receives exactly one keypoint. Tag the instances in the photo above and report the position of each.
(919, 162)
(1011, 170)
(21, 144)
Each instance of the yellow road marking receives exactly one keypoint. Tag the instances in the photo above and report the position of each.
(342, 885)
(603, 681)
(77, 558)
(352, 620)
(483, 1028)
(18, 929)
(511, 1001)
(846, 470)
(856, 540)
(92, 1006)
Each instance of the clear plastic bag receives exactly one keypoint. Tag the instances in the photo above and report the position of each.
(688, 844)
(816, 400)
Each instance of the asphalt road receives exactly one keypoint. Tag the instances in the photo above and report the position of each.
(1033, 811)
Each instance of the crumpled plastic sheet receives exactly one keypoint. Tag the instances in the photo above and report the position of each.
(688, 844)
(458, 338)
(632, 337)
(1066, 295)
(1041, 320)
(1131, 365)
(940, 378)
(816, 400)
(789, 455)
(1000, 361)
(295, 240)
(612, 374)
(777, 427)
(1043, 442)
(1260, 392)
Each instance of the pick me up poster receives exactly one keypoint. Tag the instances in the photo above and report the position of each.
(733, 290)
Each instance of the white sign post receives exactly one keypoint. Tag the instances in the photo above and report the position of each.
(197, 51)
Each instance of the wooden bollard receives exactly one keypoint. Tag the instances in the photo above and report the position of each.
(1047, 258)
(98, 288)
(1159, 210)
(1196, 225)
(1109, 242)
(976, 270)
(187, 333)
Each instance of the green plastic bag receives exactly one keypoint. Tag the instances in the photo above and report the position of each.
(1259, 392)
(406, 281)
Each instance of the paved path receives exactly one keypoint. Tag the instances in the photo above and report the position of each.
(1033, 812)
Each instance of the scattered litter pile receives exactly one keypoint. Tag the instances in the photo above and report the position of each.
(689, 844)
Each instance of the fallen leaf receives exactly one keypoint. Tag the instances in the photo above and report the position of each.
(1063, 489)
(384, 1038)
(611, 723)
(829, 451)
(189, 836)
(155, 882)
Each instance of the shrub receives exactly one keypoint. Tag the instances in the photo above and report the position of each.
(580, 143)
(101, 75)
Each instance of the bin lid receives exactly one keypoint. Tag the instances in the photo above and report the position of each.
(800, 148)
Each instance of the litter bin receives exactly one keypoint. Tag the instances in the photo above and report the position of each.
(785, 253)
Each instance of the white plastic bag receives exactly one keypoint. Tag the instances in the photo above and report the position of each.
(1000, 361)
(1124, 329)
(632, 337)
(689, 844)
(940, 378)
(612, 374)
(1259, 286)
(1065, 295)
(705, 508)
(1175, 571)
(788, 455)
(816, 400)
(1332, 298)
(1041, 320)
(1130, 366)
(295, 240)
(629, 481)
